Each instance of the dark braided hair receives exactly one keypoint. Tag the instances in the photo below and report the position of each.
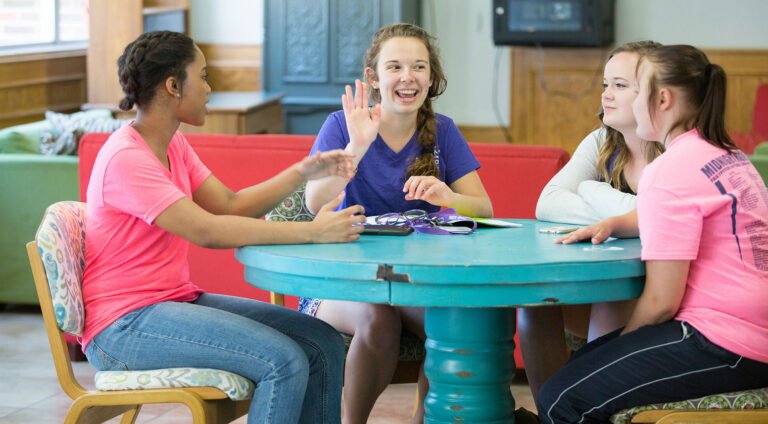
(148, 61)
(426, 122)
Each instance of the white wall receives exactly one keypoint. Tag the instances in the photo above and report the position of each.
(464, 32)
(227, 21)
(476, 69)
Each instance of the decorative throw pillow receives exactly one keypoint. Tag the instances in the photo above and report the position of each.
(67, 130)
(292, 208)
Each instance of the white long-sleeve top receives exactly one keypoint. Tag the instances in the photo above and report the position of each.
(575, 195)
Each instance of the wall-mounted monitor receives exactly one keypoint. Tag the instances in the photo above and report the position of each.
(575, 23)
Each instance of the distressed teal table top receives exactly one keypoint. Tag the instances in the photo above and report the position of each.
(492, 267)
(462, 281)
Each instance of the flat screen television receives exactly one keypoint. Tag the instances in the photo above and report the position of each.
(575, 23)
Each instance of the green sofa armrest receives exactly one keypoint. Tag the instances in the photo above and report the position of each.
(762, 149)
(31, 182)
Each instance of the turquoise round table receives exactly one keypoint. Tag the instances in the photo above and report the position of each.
(467, 284)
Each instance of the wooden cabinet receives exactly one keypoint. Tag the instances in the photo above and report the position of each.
(114, 24)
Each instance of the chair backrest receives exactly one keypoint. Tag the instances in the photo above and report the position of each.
(61, 244)
(760, 116)
(57, 258)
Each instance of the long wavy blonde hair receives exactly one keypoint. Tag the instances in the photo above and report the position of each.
(426, 121)
(614, 140)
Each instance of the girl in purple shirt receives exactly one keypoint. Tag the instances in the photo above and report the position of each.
(406, 157)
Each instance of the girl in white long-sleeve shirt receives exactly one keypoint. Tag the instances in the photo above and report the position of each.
(599, 181)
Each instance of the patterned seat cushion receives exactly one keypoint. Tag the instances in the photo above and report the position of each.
(235, 386)
(749, 399)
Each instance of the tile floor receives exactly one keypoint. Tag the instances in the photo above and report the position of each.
(31, 393)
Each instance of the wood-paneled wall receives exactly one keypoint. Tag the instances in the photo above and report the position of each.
(32, 84)
(555, 94)
(233, 67)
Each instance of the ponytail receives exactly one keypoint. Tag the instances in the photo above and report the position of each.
(703, 85)
(709, 120)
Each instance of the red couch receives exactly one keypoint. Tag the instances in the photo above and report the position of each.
(513, 175)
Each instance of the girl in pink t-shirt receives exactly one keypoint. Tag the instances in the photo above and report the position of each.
(150, 196)
(700, 326)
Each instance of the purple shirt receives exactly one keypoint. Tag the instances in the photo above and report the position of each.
(378, 185)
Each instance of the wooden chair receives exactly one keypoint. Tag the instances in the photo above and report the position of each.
(57, 258)
(412, 351)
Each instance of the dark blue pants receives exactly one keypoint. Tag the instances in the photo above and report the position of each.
(660, 363)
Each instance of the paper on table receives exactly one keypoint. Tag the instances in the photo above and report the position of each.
(490, 222)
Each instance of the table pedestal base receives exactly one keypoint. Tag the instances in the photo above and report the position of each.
(470, 365)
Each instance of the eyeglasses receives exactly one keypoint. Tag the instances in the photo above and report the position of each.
(411, 218)
(442, 222)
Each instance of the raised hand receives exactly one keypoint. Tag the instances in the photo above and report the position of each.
(362, 122)
(429, 189)
(325, 164)
(331, 226)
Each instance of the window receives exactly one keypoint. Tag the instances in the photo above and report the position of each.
(27, 23)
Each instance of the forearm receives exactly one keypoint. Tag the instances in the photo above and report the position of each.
(229, 231)
(624, 226)
(605, 200)
(665, 284)
(322, 191)
(648, 311)
(558, 204)
(475, 206)
(257, 200)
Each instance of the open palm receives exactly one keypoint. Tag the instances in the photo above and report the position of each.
(362, 122)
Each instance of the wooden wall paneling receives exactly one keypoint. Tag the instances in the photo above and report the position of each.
(233, 67)
(746, 70)
(555, 96)
(32, 84)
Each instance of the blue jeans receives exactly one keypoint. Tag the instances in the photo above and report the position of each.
(668, 362)
(292, 358)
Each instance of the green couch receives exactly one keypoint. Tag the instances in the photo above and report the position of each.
(30, 183)
(760, 160)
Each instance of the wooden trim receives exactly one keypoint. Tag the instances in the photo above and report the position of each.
(42, 81)
(30, 57)
(484, 134)
(233, 67)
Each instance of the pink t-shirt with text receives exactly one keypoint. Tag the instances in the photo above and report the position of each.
(130, 262)
(698, 202)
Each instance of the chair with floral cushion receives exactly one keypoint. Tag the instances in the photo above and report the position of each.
(412, 351)
(746, 407)
(57, 258)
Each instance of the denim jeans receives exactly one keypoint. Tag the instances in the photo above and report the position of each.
(292, 358)
(660, 363)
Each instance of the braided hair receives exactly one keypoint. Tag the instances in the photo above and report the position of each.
(426, 121)
(148, 61)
